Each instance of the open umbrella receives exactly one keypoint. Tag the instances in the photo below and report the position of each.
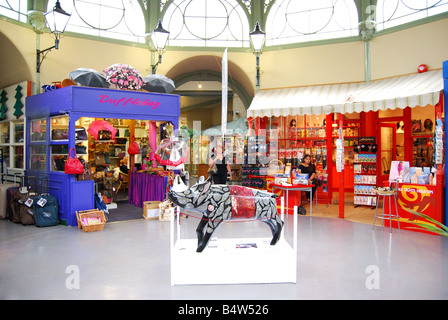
(96, 126)
(124, 76)
(172, 152)
(89, 77)
(158, 83)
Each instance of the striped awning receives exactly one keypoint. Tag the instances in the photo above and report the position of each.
(413, 90)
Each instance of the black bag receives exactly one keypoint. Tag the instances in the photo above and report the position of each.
(104, 135)
(301, 210)
(80, 134)
(46, 210)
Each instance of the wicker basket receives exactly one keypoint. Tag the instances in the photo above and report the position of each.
(166, 214)
(275, 167)
(95, 214)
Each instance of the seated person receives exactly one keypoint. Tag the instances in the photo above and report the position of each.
(307, 167)
(124, 166)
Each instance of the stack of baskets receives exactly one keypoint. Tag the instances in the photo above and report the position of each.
(91, 220)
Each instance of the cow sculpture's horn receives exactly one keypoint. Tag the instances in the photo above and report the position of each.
(179, 185)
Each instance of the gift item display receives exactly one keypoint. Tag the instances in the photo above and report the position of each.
(365, 172)
(276, 147)
(438, 143)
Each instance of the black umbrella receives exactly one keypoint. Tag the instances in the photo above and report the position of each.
(89, 77)
(158, 83)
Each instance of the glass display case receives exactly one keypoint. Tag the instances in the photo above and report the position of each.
(38, 157)
(422, 132)
(12, 143)
(38, 130)
(58, 142)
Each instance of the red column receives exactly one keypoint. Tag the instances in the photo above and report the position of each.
(341, 176)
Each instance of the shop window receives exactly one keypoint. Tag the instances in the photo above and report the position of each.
(59, 128)
(18, 131)
(59, 155)
(4, 132)
(38, 157)
(59, 142)
(38, 130)
(12, 143)
(422, 130)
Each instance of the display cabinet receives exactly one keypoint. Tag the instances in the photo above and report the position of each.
(290, 138)
(422, 150)
(364, 169)
(12, 143)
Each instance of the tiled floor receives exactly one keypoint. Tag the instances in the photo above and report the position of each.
(337, 259)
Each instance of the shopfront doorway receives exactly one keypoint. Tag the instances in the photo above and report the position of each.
(391, 147)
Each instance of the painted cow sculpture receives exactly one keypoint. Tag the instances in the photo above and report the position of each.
(219, 202)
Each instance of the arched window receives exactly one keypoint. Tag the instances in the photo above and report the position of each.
(307, 20)
(117, 19)
(207, 23)
(14, 9)
(391, 13)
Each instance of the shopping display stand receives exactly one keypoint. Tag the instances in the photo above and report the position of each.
(72, 103)
(222, 262)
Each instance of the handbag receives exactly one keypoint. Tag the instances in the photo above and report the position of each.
(80, 134)
(81, 149)
(104, 135)
(100, 159)
(87, 173)
(134, 148)
(73, 165)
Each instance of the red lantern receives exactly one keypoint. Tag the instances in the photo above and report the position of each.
(422, 68)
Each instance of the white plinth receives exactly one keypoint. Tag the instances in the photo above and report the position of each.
(224, 261)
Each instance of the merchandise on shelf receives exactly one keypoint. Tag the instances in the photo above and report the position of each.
(365, 172)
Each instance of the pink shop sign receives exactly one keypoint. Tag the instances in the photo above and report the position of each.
(123, 101)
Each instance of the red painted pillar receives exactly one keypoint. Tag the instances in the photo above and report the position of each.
(341, 176)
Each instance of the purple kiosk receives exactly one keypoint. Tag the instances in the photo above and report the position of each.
(47, 143)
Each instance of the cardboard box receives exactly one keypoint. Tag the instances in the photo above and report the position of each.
(151, 210)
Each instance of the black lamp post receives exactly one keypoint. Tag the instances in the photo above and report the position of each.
(258, 38)
(57, 20)
(159, 38)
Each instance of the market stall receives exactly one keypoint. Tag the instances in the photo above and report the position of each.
(56, 122)
(352, 130)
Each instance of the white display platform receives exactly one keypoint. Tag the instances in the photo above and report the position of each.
(223, 262)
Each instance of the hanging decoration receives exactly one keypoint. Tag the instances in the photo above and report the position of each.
(18, 105)
(3, 108)
(172, 152)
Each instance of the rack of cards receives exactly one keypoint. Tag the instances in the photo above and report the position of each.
(438, 142)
